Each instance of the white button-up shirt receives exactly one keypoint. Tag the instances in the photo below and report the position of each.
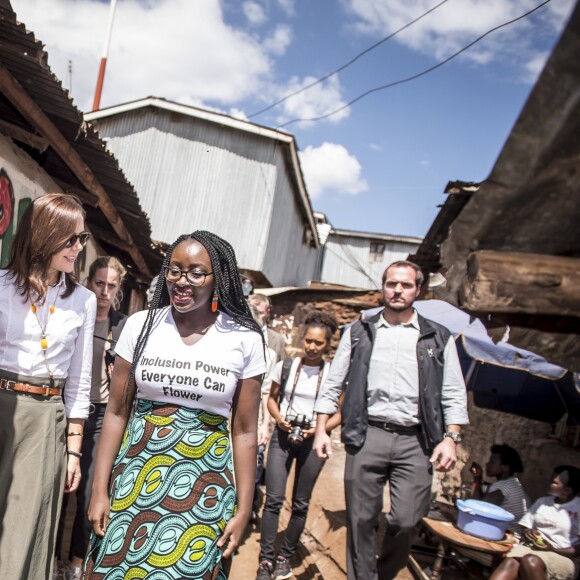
(393, 377)
(69, 334)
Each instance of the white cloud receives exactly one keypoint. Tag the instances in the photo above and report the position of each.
(254, 13)
(279, 41)
(375, 147)
(455, 24)
(287, 6)
(317, 101)
(177, 49)
(535, 66)
(331, 167)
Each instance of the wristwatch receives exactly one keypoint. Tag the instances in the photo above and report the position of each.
(457, 437)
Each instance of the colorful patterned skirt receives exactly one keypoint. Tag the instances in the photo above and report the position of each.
(172, 493)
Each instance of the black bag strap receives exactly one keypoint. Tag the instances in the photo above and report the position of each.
(286, 366)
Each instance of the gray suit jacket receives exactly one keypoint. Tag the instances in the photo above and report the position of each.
(277, 343)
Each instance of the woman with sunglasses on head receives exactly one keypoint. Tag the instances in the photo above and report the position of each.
(291, 404)
(163, 500)
(105, 278)
(46, 340)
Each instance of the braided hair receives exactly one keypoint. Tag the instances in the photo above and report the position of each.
(227, 285)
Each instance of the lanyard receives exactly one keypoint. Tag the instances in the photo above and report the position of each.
(297, 376)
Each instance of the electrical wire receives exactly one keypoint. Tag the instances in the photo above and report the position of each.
(415, 76)
(344, 66)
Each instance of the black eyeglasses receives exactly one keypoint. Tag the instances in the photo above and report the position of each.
(83, 238)
(174, 274)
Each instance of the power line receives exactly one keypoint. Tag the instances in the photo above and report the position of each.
(413, 77)
(341, 68)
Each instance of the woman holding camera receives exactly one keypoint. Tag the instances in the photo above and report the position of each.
(106, 275)
(291, 403)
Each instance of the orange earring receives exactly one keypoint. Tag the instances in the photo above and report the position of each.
(214, 302)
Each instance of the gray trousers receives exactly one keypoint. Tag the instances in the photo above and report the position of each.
(404, 463)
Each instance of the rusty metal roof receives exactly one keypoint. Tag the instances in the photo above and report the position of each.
(24, 58)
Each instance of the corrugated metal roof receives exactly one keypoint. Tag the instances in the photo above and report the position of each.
(25, 60)
(285, 140)
(376, 236)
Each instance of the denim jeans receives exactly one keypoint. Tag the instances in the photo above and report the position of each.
(82, 528)
(308, 467)
(259, 476)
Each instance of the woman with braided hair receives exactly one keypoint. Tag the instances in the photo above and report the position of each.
(163, 500)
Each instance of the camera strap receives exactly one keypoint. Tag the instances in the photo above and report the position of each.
(112, 344)
(297, 376)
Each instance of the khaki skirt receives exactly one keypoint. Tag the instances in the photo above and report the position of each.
(32, 475)
(557, 567)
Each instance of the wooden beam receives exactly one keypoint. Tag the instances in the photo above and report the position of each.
(23, 136)
(28, 108)
(514, 282)
(106, 237)
(85, 196)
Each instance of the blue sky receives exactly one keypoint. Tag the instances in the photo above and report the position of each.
(380, 165)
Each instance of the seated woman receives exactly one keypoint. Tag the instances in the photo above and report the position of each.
(552, 536)
(507, 492)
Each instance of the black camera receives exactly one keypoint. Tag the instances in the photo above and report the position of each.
(298, 423)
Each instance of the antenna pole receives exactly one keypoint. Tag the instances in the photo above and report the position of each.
(103, 65)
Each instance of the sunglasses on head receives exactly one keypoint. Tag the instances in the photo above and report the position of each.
(83, 238)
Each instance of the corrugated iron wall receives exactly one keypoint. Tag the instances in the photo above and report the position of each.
(347, 260)
(191, 174)
(289, 255)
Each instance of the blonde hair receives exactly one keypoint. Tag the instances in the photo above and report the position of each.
(113, 263)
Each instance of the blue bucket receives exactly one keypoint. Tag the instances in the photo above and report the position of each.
(482, 519)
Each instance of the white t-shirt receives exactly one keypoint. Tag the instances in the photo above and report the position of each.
(305, 392)
(559, 523)
(203, 375)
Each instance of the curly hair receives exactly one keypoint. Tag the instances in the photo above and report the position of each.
(320, 319)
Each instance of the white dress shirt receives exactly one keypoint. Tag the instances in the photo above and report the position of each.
(393, 377)
(69, 334)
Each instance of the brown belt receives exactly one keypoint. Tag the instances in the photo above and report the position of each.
(26, 388)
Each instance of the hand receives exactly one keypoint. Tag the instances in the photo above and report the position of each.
(444, 455)
(477, 471)
(73, 474)
(536, 540)
(232, 535)
(322, 445)
(309, 432)
(99, 510)
(283, 425)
